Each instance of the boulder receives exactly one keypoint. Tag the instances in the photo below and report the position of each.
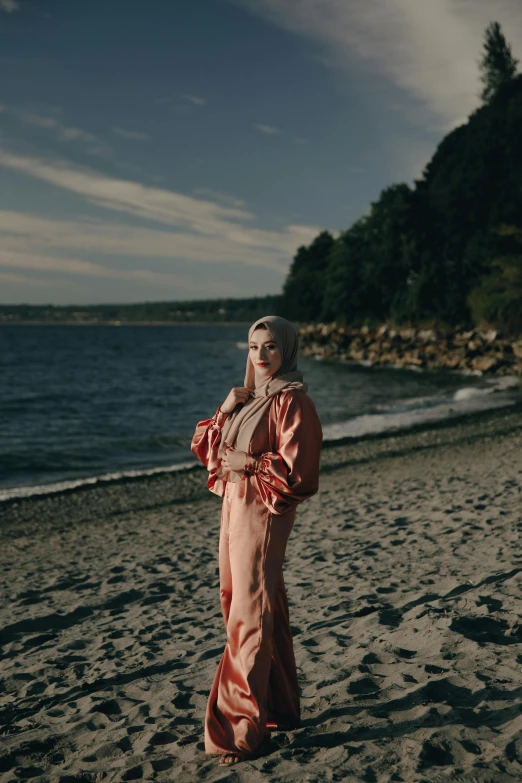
(517, 349)
(427, 335)
(451, 360)
(491, 335)
(484, 363)
(474, 345)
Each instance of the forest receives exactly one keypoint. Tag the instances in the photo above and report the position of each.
(447, 250)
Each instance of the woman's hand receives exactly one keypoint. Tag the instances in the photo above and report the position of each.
(237, 394)
(234, 459)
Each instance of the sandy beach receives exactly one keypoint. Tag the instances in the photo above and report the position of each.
(404, 577)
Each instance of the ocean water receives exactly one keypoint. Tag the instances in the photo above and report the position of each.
(82, 404)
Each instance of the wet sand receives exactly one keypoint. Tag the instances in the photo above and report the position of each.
(404, 577)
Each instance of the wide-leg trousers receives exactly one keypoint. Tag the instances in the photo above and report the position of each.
(256, 679)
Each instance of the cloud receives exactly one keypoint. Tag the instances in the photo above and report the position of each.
(270, 130)
(218, 197)
(131, 135)
(197, 101)
(68, 266)
(9, 277)
(63, 268)
(22, 233)
(19, 260)
(66, 133)
(133, 198)
(190, 230)
(9, 6)
(181, 109)
(428, 50)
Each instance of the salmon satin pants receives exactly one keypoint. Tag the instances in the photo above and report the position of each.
(256, 679)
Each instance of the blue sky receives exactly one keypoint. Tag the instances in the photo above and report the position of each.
(184, 150)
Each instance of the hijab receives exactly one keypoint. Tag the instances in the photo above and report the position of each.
(241, 423)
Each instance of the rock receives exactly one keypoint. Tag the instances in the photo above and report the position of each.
(491, 335)
(413, 358)
(463, 338)
(450, 360)
(389, 358)
(474, 345)
(517, 349)
(427, 335)
(484, 363)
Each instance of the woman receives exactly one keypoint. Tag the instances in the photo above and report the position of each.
(261, 450)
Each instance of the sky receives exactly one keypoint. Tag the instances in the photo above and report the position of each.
(178, 150)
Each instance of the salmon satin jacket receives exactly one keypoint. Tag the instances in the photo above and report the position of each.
(288, 442)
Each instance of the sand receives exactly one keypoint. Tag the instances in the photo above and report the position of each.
(404, 576)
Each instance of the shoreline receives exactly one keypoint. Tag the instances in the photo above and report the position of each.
(113, 477)
(157, 490)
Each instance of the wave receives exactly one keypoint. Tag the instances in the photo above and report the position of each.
(503, 383)
(63, 486)
(495, 385)
(464, 401)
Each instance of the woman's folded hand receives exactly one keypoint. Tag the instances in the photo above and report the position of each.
(234, 459)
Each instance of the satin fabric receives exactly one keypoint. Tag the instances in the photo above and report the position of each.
(256, 679)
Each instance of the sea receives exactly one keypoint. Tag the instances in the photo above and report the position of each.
(85, 404)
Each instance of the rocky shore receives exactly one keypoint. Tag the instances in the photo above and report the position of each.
(475, 351)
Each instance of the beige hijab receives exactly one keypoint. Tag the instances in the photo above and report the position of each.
(240, 424)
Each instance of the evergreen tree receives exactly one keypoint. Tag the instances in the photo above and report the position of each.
(498, 65)
(343, 294)
(498, 298)
(304, 286)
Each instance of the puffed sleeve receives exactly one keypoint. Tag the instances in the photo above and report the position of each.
(206, 439)
(290, 475)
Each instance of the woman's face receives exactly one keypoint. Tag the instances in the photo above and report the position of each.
(264, 354)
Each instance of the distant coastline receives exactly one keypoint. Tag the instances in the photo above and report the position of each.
(123, 323)
(201, 311)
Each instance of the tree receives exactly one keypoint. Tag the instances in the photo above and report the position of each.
(389, 232)
(304, 286)
(344, 297)
(498, 298)
(498, 65)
